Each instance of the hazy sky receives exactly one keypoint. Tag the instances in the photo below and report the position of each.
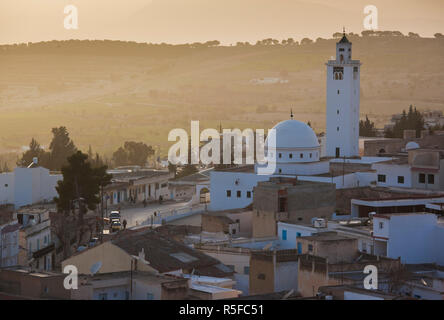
(181, 21)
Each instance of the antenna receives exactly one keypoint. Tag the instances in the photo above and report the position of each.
(95, 267)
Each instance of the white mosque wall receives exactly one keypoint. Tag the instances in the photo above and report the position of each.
(223, 181)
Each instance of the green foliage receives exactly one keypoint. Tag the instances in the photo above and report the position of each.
(34, 151)
(61, 148)
(80, 180)
(132, 153)
(367, 128)
(412, 120)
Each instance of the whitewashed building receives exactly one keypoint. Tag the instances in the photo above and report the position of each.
(26, 186)
(414, 237)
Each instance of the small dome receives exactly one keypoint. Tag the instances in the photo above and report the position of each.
(293, 134)
(411, 146)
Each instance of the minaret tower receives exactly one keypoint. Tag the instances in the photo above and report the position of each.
(343, 84)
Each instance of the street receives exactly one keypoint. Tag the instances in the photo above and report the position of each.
(136, 215)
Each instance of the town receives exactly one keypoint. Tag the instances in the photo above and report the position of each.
(335, 204)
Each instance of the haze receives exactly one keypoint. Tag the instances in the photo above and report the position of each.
(229, 21)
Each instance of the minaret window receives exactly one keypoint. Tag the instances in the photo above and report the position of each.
(291, 155)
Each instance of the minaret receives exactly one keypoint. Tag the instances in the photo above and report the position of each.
(343, 84)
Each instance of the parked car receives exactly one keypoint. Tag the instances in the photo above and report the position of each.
(93, 242)
(116, 226)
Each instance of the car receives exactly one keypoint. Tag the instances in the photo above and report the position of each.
(93, 242)
(116, 226)
(114, 214)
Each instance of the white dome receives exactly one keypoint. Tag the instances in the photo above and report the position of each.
(411, 146)
(293, 134)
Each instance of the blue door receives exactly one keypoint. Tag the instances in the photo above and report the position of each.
(299, 248)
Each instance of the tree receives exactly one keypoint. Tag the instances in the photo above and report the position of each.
(413, 120)
(80, 189)
(61, 148)
(34, 151)
(367, 128)
(132, 153)
(306, 41)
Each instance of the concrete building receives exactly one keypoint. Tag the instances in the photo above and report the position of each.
(137, 185)
(273, 271)
(27, 284)
(361, 208)
(27, 186)
(328, 244)
(412, 237)
(292, 201)
(37, 238)
(289, 233)
(136, 285)
(315, 272)
(10, 245)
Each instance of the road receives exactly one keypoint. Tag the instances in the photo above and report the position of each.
(135, 216)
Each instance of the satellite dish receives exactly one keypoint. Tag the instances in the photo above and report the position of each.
(95, 267)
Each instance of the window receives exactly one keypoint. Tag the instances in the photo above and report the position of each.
(239, 193)
(381, 225)
(338, 91)
(280, 170)
(228, 193)
(261, 276)
(381, 177)
(337, 111)
(280, 155)
(284, 234)
(400, 179)
(246, 270)
(311, 155)
(431, 178)
(337, 129)
(298, 234)
(290, 155)
(301, 155)
(421, 178)
(248, 194)
(103, 296)
(310, 248)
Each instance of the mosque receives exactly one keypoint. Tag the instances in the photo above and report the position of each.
(297, 149)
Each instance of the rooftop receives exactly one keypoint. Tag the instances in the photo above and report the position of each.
(166, 255)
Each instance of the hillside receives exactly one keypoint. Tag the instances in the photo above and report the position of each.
(107, 92)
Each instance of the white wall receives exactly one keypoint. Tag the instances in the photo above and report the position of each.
(292, 233)
(28, 186)
(7, 188)
(221, 181)
(413, 237)
(286, 276)
(392, 172)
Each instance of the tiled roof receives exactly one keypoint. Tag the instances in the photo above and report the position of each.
(165, 254)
